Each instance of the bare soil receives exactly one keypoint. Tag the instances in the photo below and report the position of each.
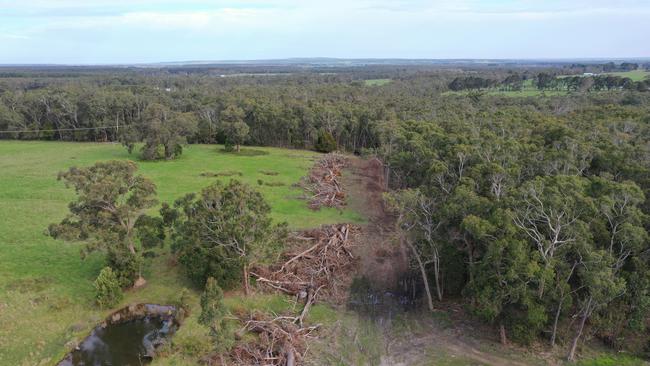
(382, 258)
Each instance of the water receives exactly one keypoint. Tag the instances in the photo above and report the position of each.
(131, 343)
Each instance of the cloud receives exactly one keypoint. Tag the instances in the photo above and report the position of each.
(168, 30)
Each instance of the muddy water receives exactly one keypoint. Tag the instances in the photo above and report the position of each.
(131, 342)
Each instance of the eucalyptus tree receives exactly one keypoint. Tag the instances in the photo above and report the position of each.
(233, 126)
(108, 213)
(163, 131)
(552, 213)
(223, 231)
(418, 219)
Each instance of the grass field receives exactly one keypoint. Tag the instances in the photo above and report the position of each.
(376, 82)
(45, 287)
(527, 90)
(636, 75)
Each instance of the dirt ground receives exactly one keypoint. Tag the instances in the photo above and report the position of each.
(383, 259)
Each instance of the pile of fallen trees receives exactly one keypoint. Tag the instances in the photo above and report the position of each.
(279, 341)
(318, 265)
(323, 182)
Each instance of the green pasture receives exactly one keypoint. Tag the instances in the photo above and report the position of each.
(46, 289)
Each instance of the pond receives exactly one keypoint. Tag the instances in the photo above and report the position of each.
(129, 337)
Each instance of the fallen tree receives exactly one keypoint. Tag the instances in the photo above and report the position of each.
(320, 268)
(278, 341)
(317, 266)
(323, 182)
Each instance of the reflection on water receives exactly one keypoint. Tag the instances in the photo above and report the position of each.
(130, 343)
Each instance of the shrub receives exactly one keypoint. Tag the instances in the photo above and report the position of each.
(151, 231)
(182, 305)
(125, 265)
(213, 312)
(107, 288)
(325, 142)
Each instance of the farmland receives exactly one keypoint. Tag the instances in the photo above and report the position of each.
(46, 288)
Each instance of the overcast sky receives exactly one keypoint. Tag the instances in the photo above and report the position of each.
(137, 31)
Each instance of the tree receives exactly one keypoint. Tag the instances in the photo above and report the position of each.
(601, 286)
(227, 227)
(544, 80)
(500, 290)
(325, 142)
(233, 126)
(550, 212)
(107, 288)
(111, 199)
(163, 131)
(418, 220)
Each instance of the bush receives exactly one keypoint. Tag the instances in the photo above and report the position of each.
(325, 142)
(150, 231)
(125, 265)
(201, 263)
(213, 312)
(182, 305)
(107, 288)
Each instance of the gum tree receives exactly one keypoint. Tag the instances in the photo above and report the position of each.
(111, 201)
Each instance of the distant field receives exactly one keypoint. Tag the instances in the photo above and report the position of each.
(636, 75)
(527, 90)
(45, 287)
(376, 82)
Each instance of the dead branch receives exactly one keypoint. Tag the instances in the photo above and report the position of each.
(323, 182)
(323, 268)
(278, 341)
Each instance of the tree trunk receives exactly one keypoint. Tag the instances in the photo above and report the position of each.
(502, 334)
(574, 344)
(436, 275)
(424, 275)
(246, 288)
(557, 318)
(237, 147)
(470, 262)
(540, 291)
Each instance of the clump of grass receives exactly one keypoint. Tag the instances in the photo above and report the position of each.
(224, 173)
(269, 172)
(270, 184)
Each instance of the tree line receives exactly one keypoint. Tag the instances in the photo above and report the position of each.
(549, 81)
(539, 222)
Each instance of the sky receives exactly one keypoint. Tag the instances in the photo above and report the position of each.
(147, 31)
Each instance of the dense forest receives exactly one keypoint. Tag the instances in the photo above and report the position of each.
(530, 211)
